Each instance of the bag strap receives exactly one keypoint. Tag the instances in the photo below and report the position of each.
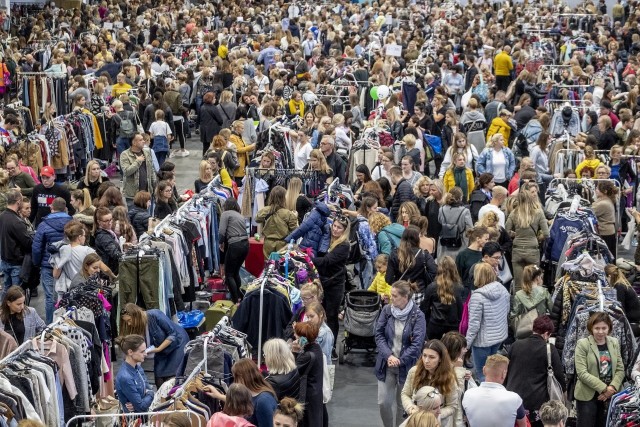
(549, 367)
(414, 260)
(458, 219)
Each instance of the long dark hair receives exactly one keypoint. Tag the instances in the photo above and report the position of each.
(13, 293)
(406, 251)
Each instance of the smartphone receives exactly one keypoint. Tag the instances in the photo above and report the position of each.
(149, 349)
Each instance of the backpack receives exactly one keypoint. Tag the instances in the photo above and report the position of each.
(450, 236)
(230, 161)
(127, 126)
(356, 252)
(435, 142)
(477, 200)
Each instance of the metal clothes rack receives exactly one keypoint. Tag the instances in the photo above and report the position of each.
(266, 274)
(27, 345)
(109, 418)
(53, 325)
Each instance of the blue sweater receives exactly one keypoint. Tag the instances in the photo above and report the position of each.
(264, 405)
(132, 387)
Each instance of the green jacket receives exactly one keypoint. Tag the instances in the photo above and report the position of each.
(275, 228)
(25, 182)
(587, 361)
(130, 167)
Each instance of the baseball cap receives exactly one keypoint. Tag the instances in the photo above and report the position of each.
(47, 171)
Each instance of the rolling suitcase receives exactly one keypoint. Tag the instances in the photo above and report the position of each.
(217, 311)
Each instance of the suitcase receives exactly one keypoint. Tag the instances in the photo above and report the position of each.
(217, 311)
(217, 288)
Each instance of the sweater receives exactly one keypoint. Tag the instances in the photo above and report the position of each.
(605, 212)
(488, 312)
(264, 405)
(232, 227)
(503, 64)
(449, 403)
(42, 198)
(591, 163)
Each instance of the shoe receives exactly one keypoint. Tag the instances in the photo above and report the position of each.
(182, 153)
(334, 355)
(634, 243)
(197, 131)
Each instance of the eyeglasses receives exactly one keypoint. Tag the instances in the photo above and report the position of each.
(497, 257)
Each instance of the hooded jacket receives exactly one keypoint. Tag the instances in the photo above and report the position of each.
(50, 230)
(499, 126)
(389, 238)
(314, 230)
(488, 312)
(139, 218)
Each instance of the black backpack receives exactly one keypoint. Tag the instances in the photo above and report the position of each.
(450, 236)
(356, 252)
(477, 200)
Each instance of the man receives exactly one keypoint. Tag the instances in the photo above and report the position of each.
(50, 230)
(334, 160)
(491, 405)
(503, 65)
(137, 169)
(27, 65)
(498, 196)
(472, 71)
(553, 414)
(15, 241)
(45, 193)
(403, 191)
(308, 45)
(624, 127)
(19, 180)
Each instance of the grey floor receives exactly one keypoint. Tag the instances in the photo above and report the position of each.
(354, 401)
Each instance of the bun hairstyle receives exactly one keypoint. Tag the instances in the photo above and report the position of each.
(405, 288)
(608, 189)
(290, 407)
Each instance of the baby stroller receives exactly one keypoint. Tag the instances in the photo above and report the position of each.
(360, 317)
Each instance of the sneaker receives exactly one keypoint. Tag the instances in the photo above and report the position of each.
(182, 153)
(334, 355)
(197, 131)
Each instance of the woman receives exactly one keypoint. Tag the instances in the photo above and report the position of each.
(296, 200)
(105, 240)
(165, 204)
(332, 268)
(219, 171)
(314, 313)
(277, 221)
(238, 405)
(421, 191)
(362, 177)
(422, 418)
(111, 197)
(134, 392)
(427, 400)
(210, 120)
(460, 145)
(498, 160)
(488, 312)
(167, 338)
(540, 157)
(443, 300)
(458, 175)
(528, 362)
(500, 126)
(91, 266)
(18, 320)
(387, 235)
(599, 371)
(457, 218)
(456, 345)
(526, 225)
(395, 125)
(324, 174)
(289, 413)
(123, 228)
(81, 202)
(625, 294)
(427, 243)
(266, 171)
(235, 244)
(310, 365)
(604, 209)
(432, 207)
(205, 175)
(382, 169)
(139, 212)
(409, 262)
(532, 296)
(243, 150)
(409, 214)
(400, 334)
(433, 369)
(281, 365)
(301, 149)
(92, 179)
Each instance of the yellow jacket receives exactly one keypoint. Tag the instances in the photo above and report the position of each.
(450, 182)
(120, 88)
(223, 51)
(593, 164)
(499, 126)
(502, 64)
(225, 178)
(380, 285)
(243, 155)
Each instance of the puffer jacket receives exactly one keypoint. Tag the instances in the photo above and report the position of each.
(389, 238)
(50, 230)
(139, 219)
(404, 193)
(488, 312)
(499, 126)
(108, 248)
(314, 230)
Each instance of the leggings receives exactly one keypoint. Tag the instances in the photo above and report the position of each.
(331, 302)
(179, 127)
(234, 256)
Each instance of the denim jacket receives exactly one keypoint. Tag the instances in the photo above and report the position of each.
(485, 162)
(132, 387)
(413, 337)
(162, 328)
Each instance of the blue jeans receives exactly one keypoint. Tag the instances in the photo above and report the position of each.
(11, 276)
(480, 355)
(122, 144)
(162, 156)
(46, 279)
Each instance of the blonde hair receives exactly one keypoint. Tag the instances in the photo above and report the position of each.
(378, 221)
(314, 288)
(293, 192)
(202, 170)
(409, 141)
(422, 419)
(86, 175)
(278, 357)
(319, 156)
(483, 274)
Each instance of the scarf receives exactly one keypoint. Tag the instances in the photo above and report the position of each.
(402, 315)
(293, 105)
(460, 178)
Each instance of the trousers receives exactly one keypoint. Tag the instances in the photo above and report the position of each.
(480, 355)
(389, 402)
(331, 303)
(46, 279)
(520, 258)
(235, 254)
(591, 413)
(140, 276)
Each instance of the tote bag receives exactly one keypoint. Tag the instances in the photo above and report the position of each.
(553, 386)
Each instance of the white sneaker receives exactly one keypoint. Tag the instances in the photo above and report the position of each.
(182, 153)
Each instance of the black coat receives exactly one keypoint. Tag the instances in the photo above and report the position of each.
(527, 373)
(15, 237)
(439, 315)
(108, 249)
(422, 272)
(630, 302)
(210, 123)
(286, 385)
(310, 366)
(275, 316)
(332, 267)
(139, 219)
(404, 193)
(338, 166)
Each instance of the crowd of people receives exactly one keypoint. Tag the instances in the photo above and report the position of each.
(490, 117)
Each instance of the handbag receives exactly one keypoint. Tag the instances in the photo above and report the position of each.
(553, 386)
(523, 323)
(328, 376)
(464, 320)
(26, 268)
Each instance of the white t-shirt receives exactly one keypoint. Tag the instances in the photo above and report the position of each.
(301, 155)
(262, 83)
(499, 166)
(159, 128)
(491, 405)
(491, 208)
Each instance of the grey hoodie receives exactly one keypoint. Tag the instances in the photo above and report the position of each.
(488, 314)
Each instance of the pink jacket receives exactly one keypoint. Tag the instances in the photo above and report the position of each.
(220, 419)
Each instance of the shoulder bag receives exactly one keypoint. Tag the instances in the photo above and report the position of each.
(553, 386)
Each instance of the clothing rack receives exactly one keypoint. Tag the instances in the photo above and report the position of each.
(43, 74)
(27, 345)
(68, 314)
(82, 419)
(212, 334)
(600, 295)
(267, 273)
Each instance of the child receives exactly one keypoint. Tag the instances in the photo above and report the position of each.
(379, 285)
(532, 296)
(161, 134)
